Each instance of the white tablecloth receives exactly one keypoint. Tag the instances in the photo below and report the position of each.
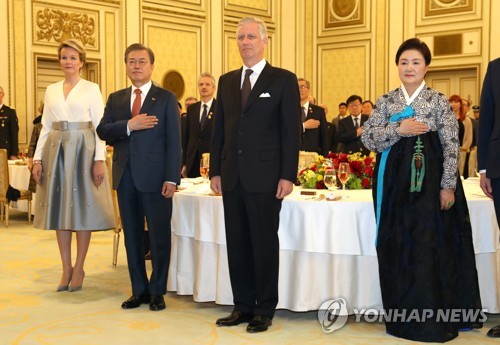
(327, 249)
(19, 177)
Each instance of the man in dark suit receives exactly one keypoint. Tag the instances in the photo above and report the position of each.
(351, 127)
(488, 151)
(314, 124)
(335, 146)
(253, 163)
(142, 123)
(9, 129)
(198, 129)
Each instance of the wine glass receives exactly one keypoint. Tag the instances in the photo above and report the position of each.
(344, 173)
(204, 168)
(330, 179)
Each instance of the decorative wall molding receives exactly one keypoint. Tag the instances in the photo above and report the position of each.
(446, 7)
(469, 42)
(349, 16)
(54, 24)
(343, 69)
(431, 12)
(344, 13)
(260, 8)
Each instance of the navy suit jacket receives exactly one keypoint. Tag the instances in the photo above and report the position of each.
(194, 139)
(488, 151)
(316, 139)
(346, 135)
(154, 154)
(258, 145)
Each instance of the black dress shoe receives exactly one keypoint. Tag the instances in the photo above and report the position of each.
(494, 332)
(157, 303)
(234, 319)
(136, 301)
(260, 323)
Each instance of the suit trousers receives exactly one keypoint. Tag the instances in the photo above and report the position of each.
(495, 186)
(252, 222)
(134, 206)
(194, 171)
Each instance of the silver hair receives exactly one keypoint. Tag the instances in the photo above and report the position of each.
(208, 75)
(262, 25)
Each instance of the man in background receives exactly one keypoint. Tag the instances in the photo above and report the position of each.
(9, 128)
(335, 146)
(314, 124)
(351, 127)
(198, 129)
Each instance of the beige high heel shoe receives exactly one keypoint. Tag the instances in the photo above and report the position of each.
(76, 288)
(61, 288)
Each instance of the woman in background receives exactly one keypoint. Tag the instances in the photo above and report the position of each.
(73, 194)
(424, 237)
(37, 127)
(466, 139)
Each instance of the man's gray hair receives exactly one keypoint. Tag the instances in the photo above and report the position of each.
(208, 75)
(262, 25)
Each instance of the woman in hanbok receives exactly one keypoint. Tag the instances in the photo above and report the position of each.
(424, 237)
(73, 193)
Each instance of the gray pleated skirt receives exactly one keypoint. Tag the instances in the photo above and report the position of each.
(67, 198)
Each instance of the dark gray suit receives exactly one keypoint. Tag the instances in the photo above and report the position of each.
(142, 162)
(488, 143)
(251, 150)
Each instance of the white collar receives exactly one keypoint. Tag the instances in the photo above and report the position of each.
(415, 94)
(257, 68)
(209, 103)
(144, 88)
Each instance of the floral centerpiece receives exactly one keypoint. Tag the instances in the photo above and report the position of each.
(312, 175)
(362, 168)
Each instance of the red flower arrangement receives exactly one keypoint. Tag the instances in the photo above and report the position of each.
(362, 168)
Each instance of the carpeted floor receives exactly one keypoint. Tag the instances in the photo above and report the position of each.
(31, 312)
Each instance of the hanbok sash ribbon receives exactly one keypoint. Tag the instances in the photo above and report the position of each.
(406, 113)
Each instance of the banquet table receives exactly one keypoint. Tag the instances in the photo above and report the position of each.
(19, 177)
(327, 249)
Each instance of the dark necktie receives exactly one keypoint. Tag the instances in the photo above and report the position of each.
(136, 106)
(303, 117)
(246, 88)
(203, 121)
(356, 124)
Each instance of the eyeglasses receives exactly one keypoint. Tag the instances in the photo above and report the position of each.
(303, 87)
(140, 62)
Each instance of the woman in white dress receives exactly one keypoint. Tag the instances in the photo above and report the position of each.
(73, 194)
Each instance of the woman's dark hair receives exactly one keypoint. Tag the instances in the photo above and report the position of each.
(414, 44)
